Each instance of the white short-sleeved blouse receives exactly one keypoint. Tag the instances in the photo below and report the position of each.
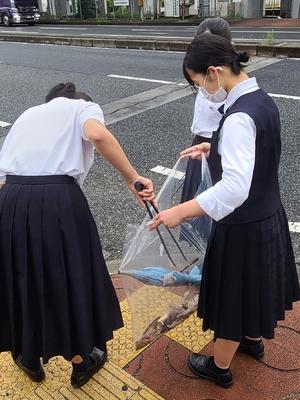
(49, 140)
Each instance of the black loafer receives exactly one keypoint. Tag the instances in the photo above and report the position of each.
(199, 365)
(255, 349)
(35, 376)
(99, 358)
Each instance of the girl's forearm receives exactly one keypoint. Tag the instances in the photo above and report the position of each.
(190, 209)
(111, 150)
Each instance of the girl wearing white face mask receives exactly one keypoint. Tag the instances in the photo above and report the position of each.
(206, 115)
(249, 273)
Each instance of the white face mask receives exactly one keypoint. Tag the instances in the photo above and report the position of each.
(217, 97)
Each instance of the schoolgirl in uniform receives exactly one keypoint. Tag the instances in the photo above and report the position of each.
(206, 112)
(249, 274)
(56, 296)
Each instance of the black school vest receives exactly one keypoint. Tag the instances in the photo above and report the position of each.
(264, 196)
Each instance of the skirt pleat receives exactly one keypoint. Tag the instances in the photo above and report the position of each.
(56, 293)
(249, 278)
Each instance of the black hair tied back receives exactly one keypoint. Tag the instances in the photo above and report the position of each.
(67, 90)
(237, 60)
(243, 57)
(70, 87)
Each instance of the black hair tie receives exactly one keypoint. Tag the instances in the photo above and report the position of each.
(242, 57)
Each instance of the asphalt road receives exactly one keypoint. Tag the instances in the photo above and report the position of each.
(152, 137)
(160, 32)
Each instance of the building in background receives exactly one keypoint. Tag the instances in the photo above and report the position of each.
(172, 8)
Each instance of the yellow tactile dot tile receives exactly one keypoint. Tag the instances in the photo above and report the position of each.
(189, 334)
(14, 385)
(58, 371)
(111, 383)
(121, 349)
(149, 303)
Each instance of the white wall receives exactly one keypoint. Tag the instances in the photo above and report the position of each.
(295, 9)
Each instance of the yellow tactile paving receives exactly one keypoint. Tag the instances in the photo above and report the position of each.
(189, 334)
(121, 349)
(147, 304)
(13, 384)
(112, 382)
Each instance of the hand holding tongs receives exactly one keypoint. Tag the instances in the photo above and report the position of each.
(140, 187)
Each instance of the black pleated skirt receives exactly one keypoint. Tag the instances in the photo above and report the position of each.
(56, 296)
(249, 278)
(193, 175)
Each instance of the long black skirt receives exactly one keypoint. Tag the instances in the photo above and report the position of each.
(56, 296)
(193, 175)
(249, 278)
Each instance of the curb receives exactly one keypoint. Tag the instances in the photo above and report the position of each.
(266, 50)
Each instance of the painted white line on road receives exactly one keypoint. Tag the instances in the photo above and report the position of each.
(134, 36)
(284, 96)
(18, 32)
(60, 28)
(294, 227)
(267, 31)
(164, 30)
(168, 172)
(133, 78)
(4, 124)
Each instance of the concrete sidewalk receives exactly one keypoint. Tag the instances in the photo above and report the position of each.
(160, 371)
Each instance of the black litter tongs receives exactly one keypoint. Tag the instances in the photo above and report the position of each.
(140, 187)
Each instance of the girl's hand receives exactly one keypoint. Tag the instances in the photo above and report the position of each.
(195, 152)
(147, 194)
(169, 218)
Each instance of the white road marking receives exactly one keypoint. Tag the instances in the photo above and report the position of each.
(168, 172)
(133, 36)
(267, 31)
(133, 78)
(18, 32)
(284, 96)
(61, 28)
(4, 124)
(164, 30)
(294, 227)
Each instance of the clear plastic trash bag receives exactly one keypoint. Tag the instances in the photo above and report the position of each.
(161, 269)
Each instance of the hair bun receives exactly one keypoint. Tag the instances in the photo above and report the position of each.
(70, 87)
(243, 57)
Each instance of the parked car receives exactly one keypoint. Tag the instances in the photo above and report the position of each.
(19, 11)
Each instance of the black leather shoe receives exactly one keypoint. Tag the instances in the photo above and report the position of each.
(99, 358)
(35, 376)
(199, 365)
(255, 349)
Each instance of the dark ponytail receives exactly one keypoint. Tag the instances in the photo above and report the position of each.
(67, 90)
(209, 49)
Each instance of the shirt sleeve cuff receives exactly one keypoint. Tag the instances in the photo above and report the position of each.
(213, 207)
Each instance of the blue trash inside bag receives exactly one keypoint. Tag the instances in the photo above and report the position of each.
(160, 276)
